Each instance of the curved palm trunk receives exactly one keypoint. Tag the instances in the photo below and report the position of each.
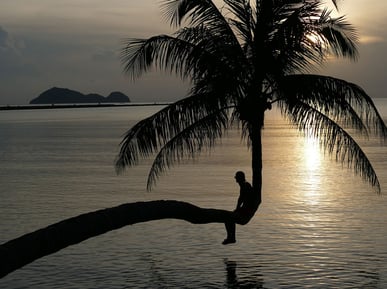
(23, 250)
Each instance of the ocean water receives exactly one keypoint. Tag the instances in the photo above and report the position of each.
(319, 225)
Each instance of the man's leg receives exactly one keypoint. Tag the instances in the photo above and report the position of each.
(230, 228)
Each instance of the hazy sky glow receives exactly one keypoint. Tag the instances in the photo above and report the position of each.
(76, 43)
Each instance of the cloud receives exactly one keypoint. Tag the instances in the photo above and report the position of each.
(104, 54)
(369, 71)
(4, 39)
(8, 43)
(11, 51)
(371, 39)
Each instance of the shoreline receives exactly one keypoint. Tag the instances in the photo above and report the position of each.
(76, 105)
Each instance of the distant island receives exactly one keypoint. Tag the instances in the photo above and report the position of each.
(57, 95)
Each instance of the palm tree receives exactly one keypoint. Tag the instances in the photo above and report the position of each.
(241, 58)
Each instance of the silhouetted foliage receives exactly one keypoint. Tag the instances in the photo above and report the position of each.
(243, 57)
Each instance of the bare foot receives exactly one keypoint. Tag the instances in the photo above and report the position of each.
(228, 241)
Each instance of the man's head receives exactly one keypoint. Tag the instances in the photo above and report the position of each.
(240, 177)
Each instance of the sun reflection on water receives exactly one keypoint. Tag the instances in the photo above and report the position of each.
(312, 154)
(312, 165)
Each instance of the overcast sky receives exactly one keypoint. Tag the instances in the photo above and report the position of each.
(76, 43)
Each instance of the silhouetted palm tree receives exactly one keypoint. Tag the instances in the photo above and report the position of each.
(241, 58)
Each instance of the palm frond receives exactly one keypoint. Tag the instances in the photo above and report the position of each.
(338, 35)
(333, 138)
(304, 34)
(189, 143)
(242, 19)
(163, 51)
(343, 101)
(196, 12)
(193, 52)
(200, 13)
(211, 53)
(293, 22)
(148, 135)
(335, 4)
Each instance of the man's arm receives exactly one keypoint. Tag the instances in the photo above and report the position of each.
(240, 201)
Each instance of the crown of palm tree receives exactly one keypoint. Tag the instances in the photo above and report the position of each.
(241, 58)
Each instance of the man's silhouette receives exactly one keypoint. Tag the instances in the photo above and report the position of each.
(245, 208)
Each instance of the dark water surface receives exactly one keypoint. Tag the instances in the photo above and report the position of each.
(318, 227)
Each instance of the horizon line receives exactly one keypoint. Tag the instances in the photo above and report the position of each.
(77, 105)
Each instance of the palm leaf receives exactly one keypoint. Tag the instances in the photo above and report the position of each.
(333, 138)
(196, 12)
(303, 35)
(189, 143)
(148, 135)
(199, 13)
(242, 19)
(163, 51)
(338, 35)
(343, 101)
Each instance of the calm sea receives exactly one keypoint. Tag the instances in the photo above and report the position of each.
(319, 225)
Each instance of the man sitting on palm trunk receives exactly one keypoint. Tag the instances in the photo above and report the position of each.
(245, 208)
